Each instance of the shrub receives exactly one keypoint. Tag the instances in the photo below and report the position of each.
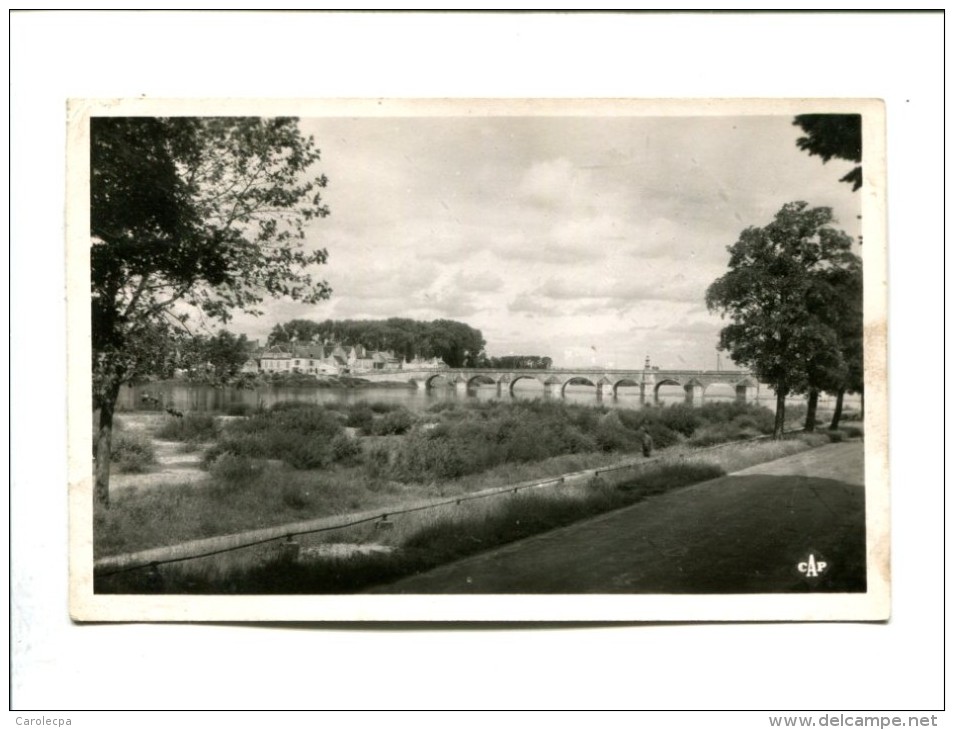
(663, 436)
(715, 433)
(835, 436)
(853, 432)
(379, 406)
(308, 453)
(132, 453)
(235, 468)
(679, 418)
(345, 448)
(377, 461)
(360, 416)
(300, 434)
(191, 427)
(394, 422)
(612, 435)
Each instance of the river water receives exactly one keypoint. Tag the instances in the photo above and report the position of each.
(194, 397)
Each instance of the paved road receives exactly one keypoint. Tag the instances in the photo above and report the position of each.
(743, 533)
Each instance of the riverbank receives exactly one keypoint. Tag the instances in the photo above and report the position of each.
(365, 554)
(299, 461)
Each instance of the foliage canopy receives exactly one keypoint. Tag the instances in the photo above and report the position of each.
(789, 305)
(833, 135)
(191, 217)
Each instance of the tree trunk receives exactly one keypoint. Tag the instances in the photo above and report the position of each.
(107, 407)
(812, 410)
(836, 417)
(779, 414)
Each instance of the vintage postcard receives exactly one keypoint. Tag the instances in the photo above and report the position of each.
(478, 360)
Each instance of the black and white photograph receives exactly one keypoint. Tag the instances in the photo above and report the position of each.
(488, 360)
(478, 359)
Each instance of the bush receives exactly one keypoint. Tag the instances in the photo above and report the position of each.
(379, 406)
(717, 433)
(132, 453)
(345, 448)
(679, 418)
(612, 435)
(377, 461)
(191, 427)
(236, 468)
(361, 417)
(853, 432)
(663, 436)
(393, 423)
(300, 434)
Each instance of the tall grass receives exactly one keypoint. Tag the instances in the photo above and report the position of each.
(450, 537)
(241, 494)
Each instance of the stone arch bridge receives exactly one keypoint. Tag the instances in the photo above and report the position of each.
(555, 381)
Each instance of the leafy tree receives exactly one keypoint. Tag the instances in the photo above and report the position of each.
(191, 215)
(296, 330)
(846, 295)
(833, 135)
(225, 354)
(774, 294)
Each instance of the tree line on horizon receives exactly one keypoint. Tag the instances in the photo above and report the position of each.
(456, 343)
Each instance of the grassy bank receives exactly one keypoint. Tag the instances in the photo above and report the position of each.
(300, 461)
(423, 540)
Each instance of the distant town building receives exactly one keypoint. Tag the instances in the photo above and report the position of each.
(420, 363)
(321, 359)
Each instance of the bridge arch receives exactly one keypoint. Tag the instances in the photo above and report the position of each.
(480, 379)
(625, 383)
(575, 380)
(520, 376)
(660, 383)
(428, 381)
(721, 389)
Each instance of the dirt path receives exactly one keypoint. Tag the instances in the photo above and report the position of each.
(174, 463)
(749, 532)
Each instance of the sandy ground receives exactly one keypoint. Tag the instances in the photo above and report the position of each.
(744, 533)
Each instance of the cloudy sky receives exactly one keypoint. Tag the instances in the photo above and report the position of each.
(589, 239)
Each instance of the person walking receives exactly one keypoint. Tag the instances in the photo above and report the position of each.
(646, 441)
